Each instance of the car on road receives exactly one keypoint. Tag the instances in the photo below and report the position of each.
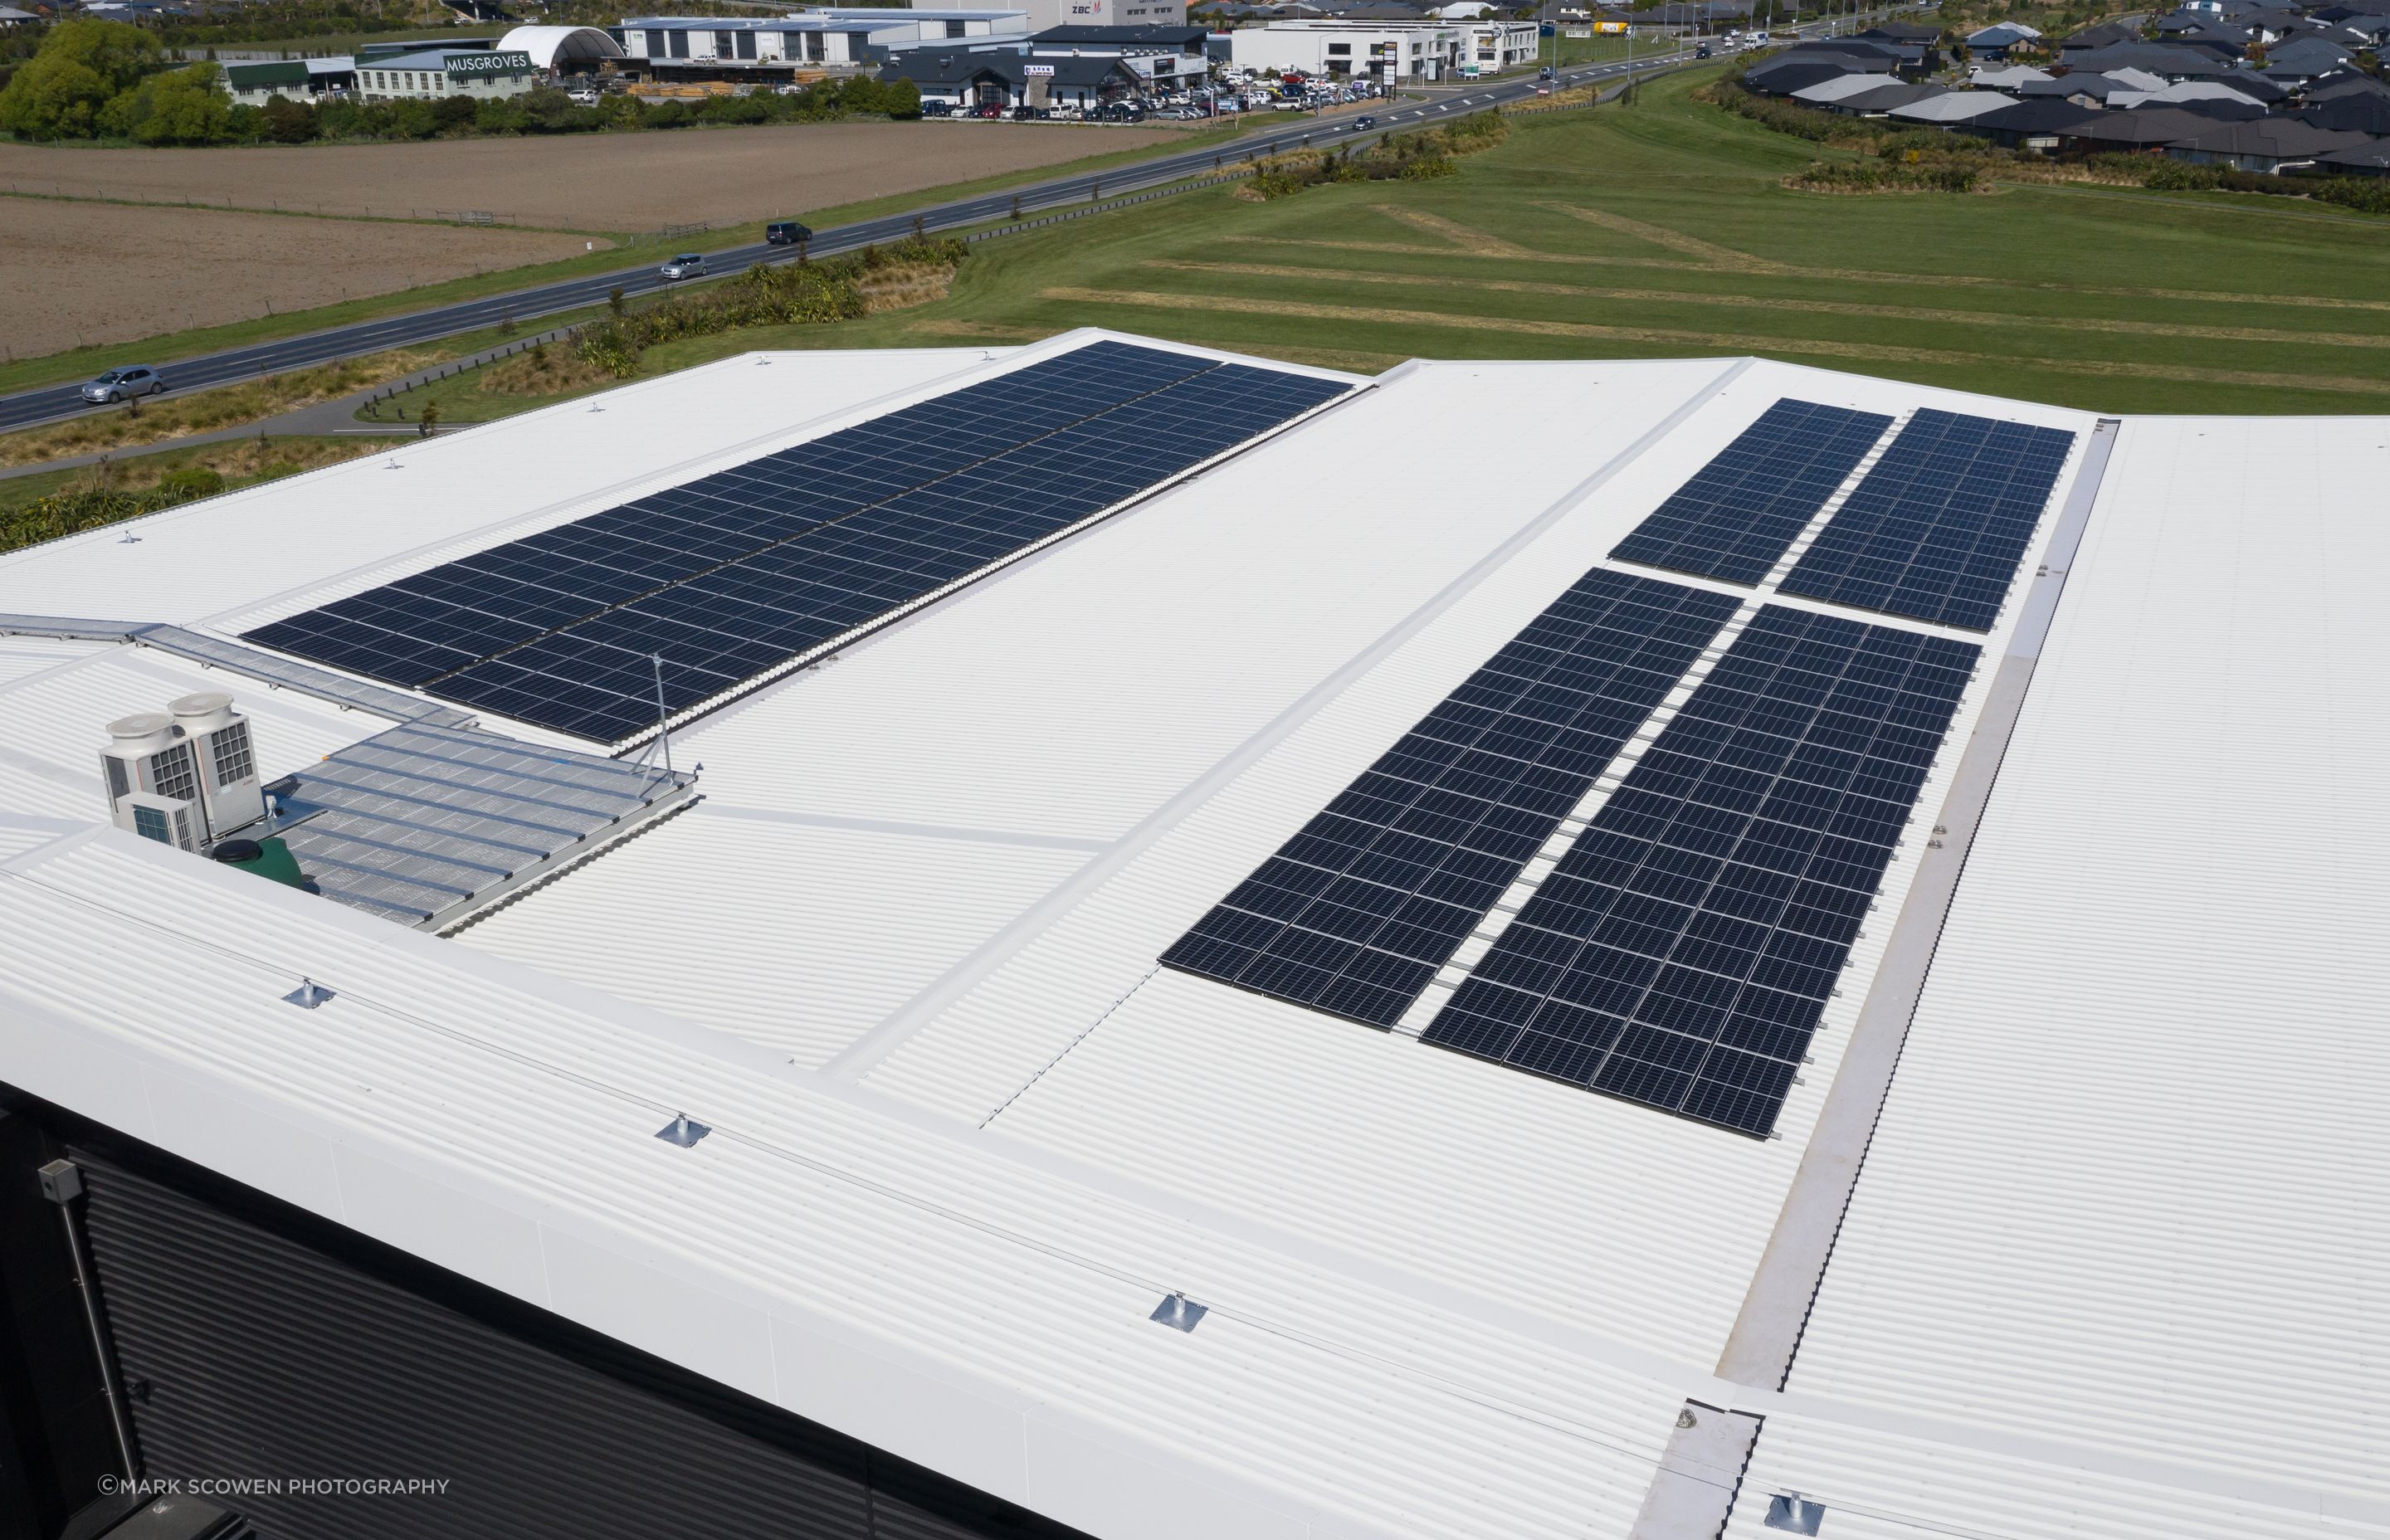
(1700, 50)
(689, 265)
(786, 232)
(124, 384)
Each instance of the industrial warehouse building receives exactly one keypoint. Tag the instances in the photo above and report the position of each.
(1801, 956)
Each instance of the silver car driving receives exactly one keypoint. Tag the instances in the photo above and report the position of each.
(138, 380)
(689, 265)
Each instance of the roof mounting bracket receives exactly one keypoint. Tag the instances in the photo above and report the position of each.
(1177, 1310)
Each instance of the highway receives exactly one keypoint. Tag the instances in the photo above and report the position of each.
(47, 404)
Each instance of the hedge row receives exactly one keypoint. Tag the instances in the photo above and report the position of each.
(805, 293)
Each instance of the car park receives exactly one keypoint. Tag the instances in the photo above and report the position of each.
(689, 265)
(124, 384)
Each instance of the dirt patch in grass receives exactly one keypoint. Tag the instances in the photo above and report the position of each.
(1720, 340)
(135, 424)
(621, 182)
(78, 274)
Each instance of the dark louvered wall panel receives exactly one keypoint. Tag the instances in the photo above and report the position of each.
(266, 1356)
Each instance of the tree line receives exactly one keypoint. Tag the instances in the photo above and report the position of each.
(108, 80)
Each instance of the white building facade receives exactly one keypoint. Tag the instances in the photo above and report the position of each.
(1360, 50)
(438, 74)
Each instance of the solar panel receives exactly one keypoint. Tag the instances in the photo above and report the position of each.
(1741, 512)
(1938, 526)
(735, 573)
(1356, 913)
(1681, 953)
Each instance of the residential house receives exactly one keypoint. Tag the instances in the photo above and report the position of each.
(2264, 145)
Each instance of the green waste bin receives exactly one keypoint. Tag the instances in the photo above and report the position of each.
(268, 858)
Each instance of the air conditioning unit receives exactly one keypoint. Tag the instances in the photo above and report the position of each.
(187, 779)
(227, 761)
(153, 781)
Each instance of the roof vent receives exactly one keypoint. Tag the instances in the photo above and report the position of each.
(1794, 1514)
(1177, 1310)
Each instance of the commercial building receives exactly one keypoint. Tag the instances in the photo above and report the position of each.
(1045, 15)
(439, 74)
(1384, 50)
(1803, 959)
(300, 80)
(764, 47)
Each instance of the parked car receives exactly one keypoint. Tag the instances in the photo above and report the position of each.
(991, 112)
(122, 384)
(689, 265)
(786, 232)
(582, 96)
(937, 110)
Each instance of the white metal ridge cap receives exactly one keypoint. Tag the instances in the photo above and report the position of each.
(994, 1166)
(973, 364)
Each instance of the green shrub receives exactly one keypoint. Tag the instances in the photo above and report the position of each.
(1426, 168)
(191, 482)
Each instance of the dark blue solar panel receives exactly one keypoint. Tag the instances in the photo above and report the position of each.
(1681, 953)
(1741, 512)
(732, 574)
(1355, 914)
(1938, 528)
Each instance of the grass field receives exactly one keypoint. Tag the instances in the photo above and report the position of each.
(1662, 231)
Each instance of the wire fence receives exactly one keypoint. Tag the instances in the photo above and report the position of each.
(372, 405)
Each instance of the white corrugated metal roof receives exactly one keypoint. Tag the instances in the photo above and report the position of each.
(2125, 1208)
(901, 958)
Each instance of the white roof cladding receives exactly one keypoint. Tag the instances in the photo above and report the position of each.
(899, 960)
(2116, 1264)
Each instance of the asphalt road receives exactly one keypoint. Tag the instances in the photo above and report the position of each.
(49, 403)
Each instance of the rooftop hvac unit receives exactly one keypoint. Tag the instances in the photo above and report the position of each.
(226, 762)
(153, 784)
(184, 780)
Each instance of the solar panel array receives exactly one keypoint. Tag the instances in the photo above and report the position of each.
(1938, 526)
(1741, 512)
(731, 575)
(1682, 952)
(1356, 913)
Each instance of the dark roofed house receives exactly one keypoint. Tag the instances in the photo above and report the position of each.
(2263, 145)
(1996, 40)
(2078, 86)
(1877, 100)
(2305, 58)
(2164, 60)
(2345, 85)
(2072, 47)
(2140, 128)
(1800, 75)
(2367, 160)
(2045, 125)
(2358, 113)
